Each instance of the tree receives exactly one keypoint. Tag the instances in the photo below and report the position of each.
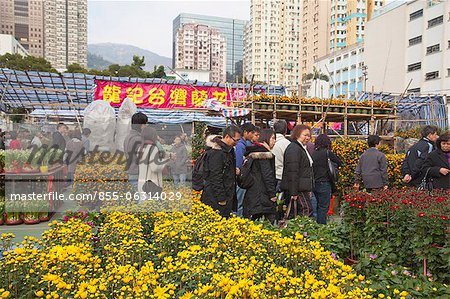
(158, 72)
(76, 68)
(316, 75)
(138, 62)
(25, 63)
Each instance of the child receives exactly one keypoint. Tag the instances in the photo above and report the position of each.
(372, 167)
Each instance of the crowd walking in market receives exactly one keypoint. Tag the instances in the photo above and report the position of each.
(252, 171)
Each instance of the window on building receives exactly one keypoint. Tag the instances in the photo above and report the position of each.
(435, 21)
(416, 15)
(433, 49)
(415, 40)
(414, 66)
(432, 75)
(414, 89)
(448, 72)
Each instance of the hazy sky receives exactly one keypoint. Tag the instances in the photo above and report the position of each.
(148, 24)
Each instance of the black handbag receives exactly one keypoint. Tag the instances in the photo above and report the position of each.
(333, 170)
(425, 184)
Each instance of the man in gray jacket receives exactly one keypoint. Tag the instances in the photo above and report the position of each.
(131, 146)
(372, 167)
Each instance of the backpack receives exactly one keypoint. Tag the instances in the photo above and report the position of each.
(198, 173)
(245, 178)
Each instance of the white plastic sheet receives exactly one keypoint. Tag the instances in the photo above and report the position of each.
(123, 126)
(100, 118)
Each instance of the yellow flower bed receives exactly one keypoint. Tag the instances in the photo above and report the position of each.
(174, 255)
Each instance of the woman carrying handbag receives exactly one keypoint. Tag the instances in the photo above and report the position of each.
(325, 164)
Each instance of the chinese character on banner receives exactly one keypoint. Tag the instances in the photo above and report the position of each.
(178, 96)
(198, 96)
(221, 96)
(135, 94)
(112, 94)
(156, 96)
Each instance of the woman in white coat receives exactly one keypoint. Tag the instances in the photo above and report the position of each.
(151, 160)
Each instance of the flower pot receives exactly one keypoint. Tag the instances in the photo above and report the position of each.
(270, 107)
(263, 106)
(350, 261)
(365, 111)
(358, 111)
(284, 107)
(43, 169)
(257, 106)
(351, 110)
(44, 216)
(31, 218)
(13, 218)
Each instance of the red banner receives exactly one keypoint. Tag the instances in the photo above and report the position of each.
(165, 96)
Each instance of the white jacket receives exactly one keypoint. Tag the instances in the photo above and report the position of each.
(278, 150)
(151, 166)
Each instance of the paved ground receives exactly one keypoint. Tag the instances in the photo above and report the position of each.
(35, 230)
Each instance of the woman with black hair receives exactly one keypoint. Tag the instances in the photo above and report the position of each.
(323, 185)
(438, 163)
(260, 199)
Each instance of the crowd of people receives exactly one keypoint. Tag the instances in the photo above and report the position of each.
(295, 170)
(275, 166)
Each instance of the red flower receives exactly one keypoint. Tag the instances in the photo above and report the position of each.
(421, 214)
(440, 199)
(444, 217)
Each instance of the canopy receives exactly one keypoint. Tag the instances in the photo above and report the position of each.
(67, 94)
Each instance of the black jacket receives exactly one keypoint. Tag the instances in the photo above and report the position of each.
(415, 157)
(59, 141)
(297, 171)
(320, 165)
(435, 161)
(257, 197)
(220, 177)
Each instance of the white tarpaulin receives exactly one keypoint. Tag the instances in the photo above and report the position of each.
(123, 126)
(100, 117)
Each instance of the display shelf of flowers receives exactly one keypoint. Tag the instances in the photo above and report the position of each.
(25, 162)
(284, 103)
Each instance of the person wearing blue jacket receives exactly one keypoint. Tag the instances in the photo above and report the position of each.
(248, 130)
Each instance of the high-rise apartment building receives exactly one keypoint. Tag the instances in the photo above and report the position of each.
(230, 29)
(347, 21)
(65, 23)
(416, 55)
(200, 47)
(24, 20)
(274, 43)
(316, 29)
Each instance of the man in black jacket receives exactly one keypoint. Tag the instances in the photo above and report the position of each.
(417, 154)
(220, 172)
(59, 137)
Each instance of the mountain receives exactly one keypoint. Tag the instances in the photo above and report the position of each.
(97, 62)
(123, 54)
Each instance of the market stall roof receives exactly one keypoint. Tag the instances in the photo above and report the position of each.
(68, 91)
(154, 116)
(431, 108)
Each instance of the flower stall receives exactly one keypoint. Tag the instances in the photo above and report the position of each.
(27, 172)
